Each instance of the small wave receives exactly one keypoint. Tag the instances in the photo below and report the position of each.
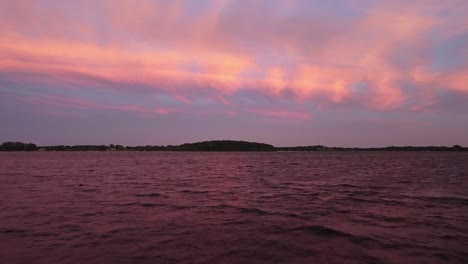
(387, 219)
(364, 193)
(90, 214)
(70, 229)
(254, 211)
(148, 195)
(45, 234)
(125, 204)
(237, 222)
(151, 205)
(89, 190)
(441, 199)
(329, 232)
(117, 231)
(182, 207)
(348, 185)
(13, 231)
(405, 182)
(194, 192)
(389, 202)
(274, 196)
(325, 231)
(40, 176)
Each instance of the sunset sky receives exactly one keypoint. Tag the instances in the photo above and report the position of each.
(306, 72)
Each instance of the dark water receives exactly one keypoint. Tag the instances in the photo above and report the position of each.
(129, 207)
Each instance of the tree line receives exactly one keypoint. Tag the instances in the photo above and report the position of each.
(391, 148)
(214, 145)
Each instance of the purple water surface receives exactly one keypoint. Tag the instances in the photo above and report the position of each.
(193, 207)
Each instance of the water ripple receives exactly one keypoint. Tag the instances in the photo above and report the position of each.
(163, 207)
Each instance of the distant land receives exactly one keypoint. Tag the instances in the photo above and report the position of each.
(214, 145)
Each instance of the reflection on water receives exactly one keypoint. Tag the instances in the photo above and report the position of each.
(162, 207)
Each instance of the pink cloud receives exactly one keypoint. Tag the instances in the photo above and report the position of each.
(314, 57)
(59, 102)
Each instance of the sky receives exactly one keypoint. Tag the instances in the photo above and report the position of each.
(306, 72)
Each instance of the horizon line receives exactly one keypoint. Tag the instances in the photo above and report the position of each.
(239, 141)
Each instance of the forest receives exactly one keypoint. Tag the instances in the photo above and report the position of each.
(214, 145)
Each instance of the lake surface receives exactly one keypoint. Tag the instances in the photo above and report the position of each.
(183, 207)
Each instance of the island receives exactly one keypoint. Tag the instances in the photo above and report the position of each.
(214, 145)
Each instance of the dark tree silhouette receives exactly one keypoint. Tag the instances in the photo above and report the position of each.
(215, 145)
(18, 146)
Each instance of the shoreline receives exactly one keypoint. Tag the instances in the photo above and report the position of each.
(220, 146)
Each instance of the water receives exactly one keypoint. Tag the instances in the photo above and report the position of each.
(161, 207)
